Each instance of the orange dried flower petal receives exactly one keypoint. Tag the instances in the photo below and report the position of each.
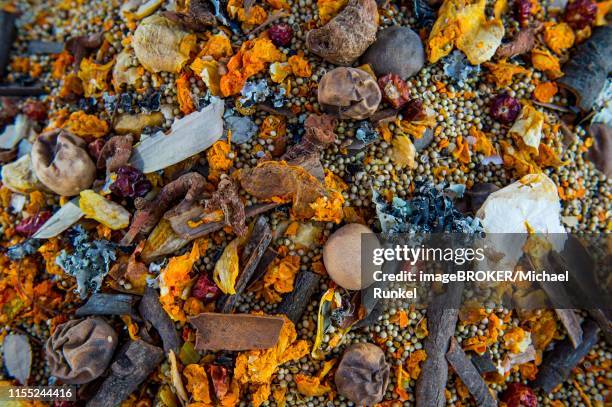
(83, 125)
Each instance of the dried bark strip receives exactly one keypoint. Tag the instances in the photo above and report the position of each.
(602, 319)
(469, 375)
(295, 303)
(130, 368)
(441, 322)
(261, 236)
(483, 363)
(151, 310)
(7, 36)
(235, 332)
(107, 304)
(570, 321)
(587, 70)
(268, 257)
(559, 362)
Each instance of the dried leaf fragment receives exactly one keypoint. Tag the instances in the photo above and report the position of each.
(17, 356)
(105, 211)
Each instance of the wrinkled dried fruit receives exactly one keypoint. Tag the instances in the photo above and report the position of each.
(395, 90)
(346, 36)
(580, 13)
(363, 374)
(349, 92)
(61, 162)
(281, 34)
(205, 290)
(504, 108)
(519, 395)
(130, 183)
(29, 226)
(80, 350)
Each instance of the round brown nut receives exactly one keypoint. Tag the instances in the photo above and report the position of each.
(342, 256)
(61, 162)
(80, 350)
(397, 50)
(342, 40)
(363, 374)
(350, 93)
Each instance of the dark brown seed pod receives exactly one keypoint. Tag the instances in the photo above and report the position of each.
(80, 350)
(363, 374)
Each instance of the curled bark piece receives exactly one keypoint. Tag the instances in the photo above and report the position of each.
(227, 199)
(107, 304)
(82, 46)
(131, 367)
(559, 362)
(522, 43)
(61, 162)
(151, 310)
(587, 70)
(349, 92)
(7, 36)
(363, 374)
(295, 303)
(441, 322)
(80, 350)
(484, 363)
(342, 40)
(469, 375)
(115, 153)
(6, 156)
(236, 332)
(188, 187)
(260, 239)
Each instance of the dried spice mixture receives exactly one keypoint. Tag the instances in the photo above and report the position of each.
(184, 184)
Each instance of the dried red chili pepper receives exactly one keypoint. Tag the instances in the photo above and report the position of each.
(519, 395)
(29, 226)
(580, 13)
(205, 290)
(394, 90)
(220, 380)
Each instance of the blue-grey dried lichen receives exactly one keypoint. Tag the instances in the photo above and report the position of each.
(23, 249)
(242, 127)
(89, 262)
(429, 210)
(366, 133)
(458, 69)
(254, 92)
(279, 99)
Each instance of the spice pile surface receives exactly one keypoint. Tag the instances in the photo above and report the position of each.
(184, 184)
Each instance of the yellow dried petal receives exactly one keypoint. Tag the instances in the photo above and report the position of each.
(227, 268)
(403, 152)
(105, 211)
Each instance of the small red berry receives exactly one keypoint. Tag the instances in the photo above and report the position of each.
(205, 290)
(580, 13)
(523, 11)
(504, 108)
(281, 34)
(519, 395)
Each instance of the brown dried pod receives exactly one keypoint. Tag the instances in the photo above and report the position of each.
(363, 374)
(349, 92)
(80, 350)
(115, 153)
(61, 162)
(346, 36)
